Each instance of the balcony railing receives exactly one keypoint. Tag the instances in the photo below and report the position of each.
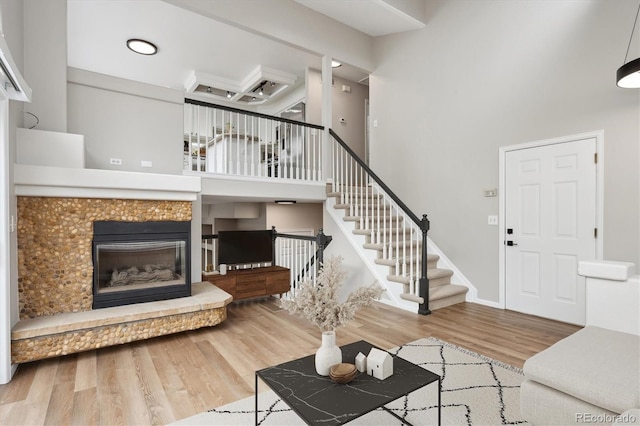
(230, 141)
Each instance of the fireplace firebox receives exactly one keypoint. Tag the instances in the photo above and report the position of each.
(135, 262)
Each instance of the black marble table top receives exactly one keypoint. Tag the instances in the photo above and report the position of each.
(318, 400)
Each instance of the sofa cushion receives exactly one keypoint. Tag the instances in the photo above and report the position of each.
(542, 405)
(596, 365)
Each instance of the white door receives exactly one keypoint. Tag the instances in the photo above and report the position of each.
(550, 221)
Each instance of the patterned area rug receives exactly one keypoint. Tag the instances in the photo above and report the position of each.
(476, 390)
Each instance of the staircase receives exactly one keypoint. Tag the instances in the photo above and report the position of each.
(395, 245)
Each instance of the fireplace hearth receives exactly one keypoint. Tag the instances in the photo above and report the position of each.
(135, 262)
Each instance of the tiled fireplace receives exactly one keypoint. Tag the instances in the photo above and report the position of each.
(55, 264)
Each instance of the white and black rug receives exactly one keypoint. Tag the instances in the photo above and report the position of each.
(476, 390)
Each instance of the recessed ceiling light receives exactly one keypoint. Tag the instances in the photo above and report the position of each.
(285, 201)
(335, 64)
(142, 47)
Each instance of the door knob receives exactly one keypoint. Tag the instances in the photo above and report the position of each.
(511, 243)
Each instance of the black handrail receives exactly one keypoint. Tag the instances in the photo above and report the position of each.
(394, 197)
(255, 114)
(423, 286)
(322, 241)
(297, 237)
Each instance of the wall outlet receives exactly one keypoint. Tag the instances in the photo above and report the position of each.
(146, 163)
(115, 161)
(492, 220)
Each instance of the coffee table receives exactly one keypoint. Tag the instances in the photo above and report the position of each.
(318, 400)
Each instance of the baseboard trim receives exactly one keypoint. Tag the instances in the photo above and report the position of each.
(489, 303)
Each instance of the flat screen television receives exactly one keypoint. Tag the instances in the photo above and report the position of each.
(238, 247)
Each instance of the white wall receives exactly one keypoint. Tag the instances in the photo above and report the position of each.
(289, 217)
(349, 106)
(127, 120)
(487, 74)
(290, 23)
(359, 274)
(45, 48)
(251, 216)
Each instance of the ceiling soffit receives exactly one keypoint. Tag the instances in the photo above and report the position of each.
(258, 87)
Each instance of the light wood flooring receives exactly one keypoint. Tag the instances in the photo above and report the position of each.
(169, 378)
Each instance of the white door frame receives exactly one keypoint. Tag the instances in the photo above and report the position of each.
(599, 136)
(6, 368)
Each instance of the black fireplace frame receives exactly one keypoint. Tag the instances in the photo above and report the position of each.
(115, 232)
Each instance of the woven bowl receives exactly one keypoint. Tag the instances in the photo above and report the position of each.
(343, 373)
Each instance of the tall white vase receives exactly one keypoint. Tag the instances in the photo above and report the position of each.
(329, 353)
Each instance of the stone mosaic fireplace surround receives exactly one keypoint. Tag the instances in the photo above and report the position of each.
(54, 247)
(55, 278)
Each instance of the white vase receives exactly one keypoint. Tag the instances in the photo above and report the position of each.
(329, 354)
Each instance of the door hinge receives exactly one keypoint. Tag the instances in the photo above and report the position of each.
(595, 158)
(595, 232)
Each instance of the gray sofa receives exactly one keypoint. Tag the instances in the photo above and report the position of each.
(591, 377)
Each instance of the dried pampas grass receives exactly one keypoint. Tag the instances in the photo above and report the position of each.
(319, 304)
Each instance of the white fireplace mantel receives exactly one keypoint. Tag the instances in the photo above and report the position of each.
(47, 181)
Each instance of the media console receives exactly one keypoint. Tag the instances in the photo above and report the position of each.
(246, 283)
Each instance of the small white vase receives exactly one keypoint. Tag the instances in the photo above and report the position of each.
(329, 354)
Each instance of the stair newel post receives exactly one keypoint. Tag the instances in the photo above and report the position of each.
(321, 242)
(423, 309)
(274, 235)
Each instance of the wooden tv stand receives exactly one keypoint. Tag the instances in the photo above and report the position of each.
(246, 283)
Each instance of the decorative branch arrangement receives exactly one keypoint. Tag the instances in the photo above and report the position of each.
(319, 304)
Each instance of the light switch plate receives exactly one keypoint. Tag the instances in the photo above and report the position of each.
(492, 220)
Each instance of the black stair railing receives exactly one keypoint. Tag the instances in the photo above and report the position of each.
(321, 240)
(352, 179)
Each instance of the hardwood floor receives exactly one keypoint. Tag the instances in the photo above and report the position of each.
(161, 380)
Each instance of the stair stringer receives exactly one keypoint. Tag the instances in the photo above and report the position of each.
(393, 290)
(458, 277)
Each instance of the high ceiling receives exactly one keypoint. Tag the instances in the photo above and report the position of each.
(189, 42)
(372, 17)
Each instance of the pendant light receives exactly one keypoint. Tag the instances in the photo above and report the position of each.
(628, 75)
